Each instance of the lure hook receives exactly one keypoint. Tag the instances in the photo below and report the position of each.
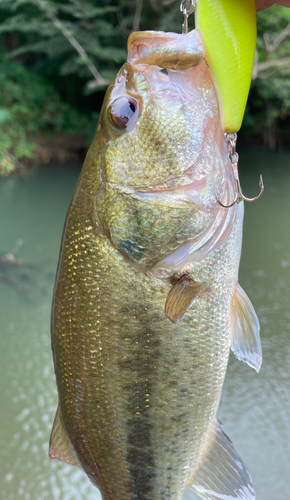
(233, 157)
(186, 11)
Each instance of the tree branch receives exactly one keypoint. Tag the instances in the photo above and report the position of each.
(122, 24)
(100, 81)
(154, 6)
(168, 2)
(264, 76)
(278, 63)
(136, 23)
(270, 47)
(255, 68)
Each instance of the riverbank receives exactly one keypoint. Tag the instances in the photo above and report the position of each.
(59, 149)
(71, 148)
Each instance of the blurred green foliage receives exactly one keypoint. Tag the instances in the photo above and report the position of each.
(29, 105)
(58, 56)
(268, 110)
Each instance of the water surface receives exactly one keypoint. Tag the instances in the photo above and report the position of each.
(255, 409)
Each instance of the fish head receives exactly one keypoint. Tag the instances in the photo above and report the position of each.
(158, 112)
(157, 156)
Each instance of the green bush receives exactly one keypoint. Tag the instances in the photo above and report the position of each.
(42, 35)
(28, 106)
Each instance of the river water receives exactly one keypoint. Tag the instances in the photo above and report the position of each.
(255, 408)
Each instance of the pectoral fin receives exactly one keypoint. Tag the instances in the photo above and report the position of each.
(59, 446)
(246, 343)
(181, 296)
(221, 475)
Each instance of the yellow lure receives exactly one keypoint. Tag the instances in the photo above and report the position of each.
(229, 31)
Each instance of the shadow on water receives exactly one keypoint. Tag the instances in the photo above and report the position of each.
(255, 409)
(28, 280)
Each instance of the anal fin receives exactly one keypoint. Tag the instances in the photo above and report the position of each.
(246, 343)
(60, 447)
(181, 296)
(221, 475)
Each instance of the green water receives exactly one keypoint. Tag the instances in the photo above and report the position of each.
(255, 409)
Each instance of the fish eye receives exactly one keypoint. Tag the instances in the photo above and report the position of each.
(122, 111)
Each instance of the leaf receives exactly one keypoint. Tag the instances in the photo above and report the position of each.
(5, 115)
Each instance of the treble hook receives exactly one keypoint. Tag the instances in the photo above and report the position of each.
(233, 158)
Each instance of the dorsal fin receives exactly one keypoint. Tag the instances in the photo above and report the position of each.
(181, 296)
(246, 343)
(60, 447)
(221, 475)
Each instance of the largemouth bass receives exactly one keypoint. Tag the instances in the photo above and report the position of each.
(147, 302)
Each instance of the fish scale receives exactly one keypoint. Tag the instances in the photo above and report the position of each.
(139, 376)
(168, 363)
